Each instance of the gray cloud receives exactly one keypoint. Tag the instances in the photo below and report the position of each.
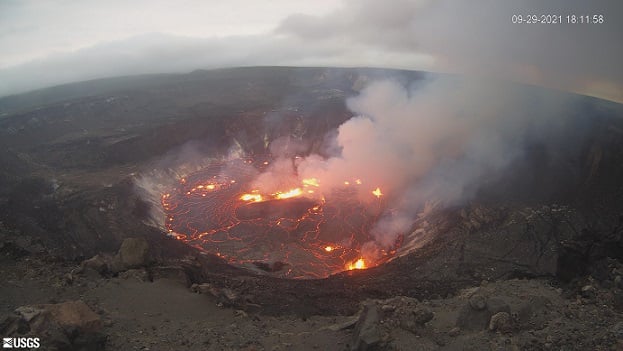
(473, 38)
(478, 37)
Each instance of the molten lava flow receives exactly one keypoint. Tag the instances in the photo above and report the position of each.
(359, 264)
(207, 186)
(310, 236)
(377, 192)
(310, 182)
(288, 194)
(251, 197)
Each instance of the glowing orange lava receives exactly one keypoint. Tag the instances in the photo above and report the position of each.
(251, 197)
(377, 192)
(310, 182)
(289, 194)
(359, 264)
(314, 236)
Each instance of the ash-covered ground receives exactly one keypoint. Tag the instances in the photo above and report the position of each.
(530, 259)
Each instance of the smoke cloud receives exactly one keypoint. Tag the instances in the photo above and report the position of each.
(436, 141)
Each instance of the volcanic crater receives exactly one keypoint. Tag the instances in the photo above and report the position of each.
(89, 164)
(307, 233)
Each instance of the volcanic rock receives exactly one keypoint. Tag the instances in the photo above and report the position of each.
(228, 297)
(472, 318)
(416, 319)
(205, 289)
(13, 325)
(367, 336)
(69, 325)
(422, 316)
(72, 314)
(478, 302)
(500, 321)
(225, 297)
(27, 313)
(350, 323)
(97, 263)
(588, 291)
(134, 252)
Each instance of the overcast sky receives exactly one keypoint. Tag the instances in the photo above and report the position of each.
(51, 42)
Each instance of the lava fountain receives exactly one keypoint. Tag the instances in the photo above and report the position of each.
(301, 232)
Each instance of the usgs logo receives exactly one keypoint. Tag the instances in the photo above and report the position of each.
(18, 343)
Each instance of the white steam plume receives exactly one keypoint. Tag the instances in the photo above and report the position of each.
(436, 141)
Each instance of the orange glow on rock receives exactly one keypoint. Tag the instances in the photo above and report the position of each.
(328, 248)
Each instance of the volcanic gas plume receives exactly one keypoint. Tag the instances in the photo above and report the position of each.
(407, 149)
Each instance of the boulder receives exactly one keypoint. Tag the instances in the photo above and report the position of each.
(69, 325)
(98, 264)
(72, 314)
(478, 302)
(473, 316)
(414, 319)
(501, 321)
(367, 336)
(588, 291)
(422, 316)
(134, 253)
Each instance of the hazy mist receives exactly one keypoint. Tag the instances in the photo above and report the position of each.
(58, 42)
